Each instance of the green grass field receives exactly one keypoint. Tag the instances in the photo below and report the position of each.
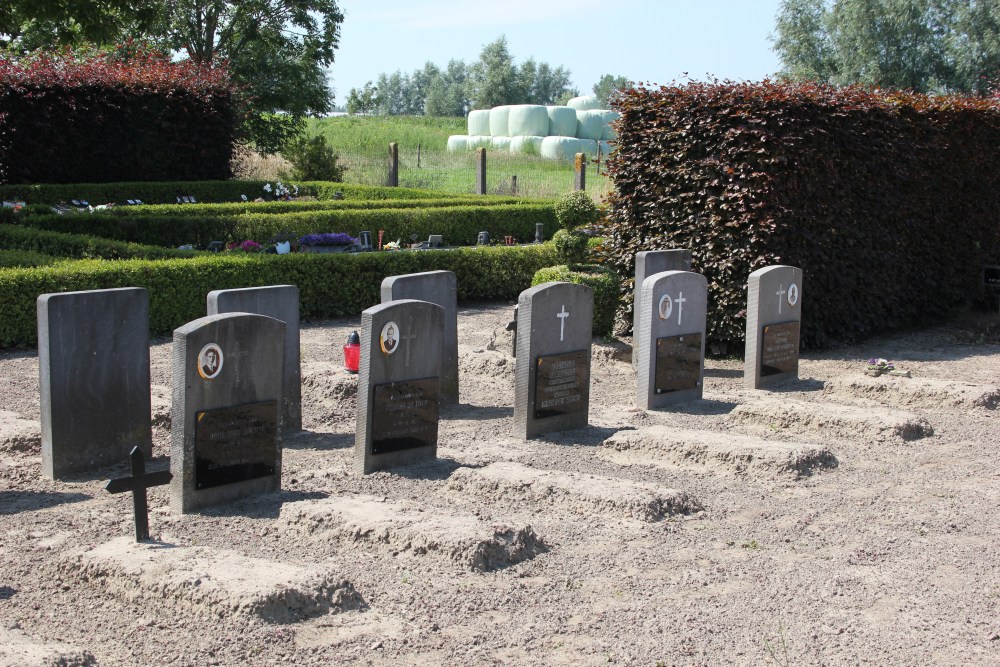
(363, 145)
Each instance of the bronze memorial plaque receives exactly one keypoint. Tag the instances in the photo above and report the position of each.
(235, 444)
(678, 363)
(779, 352)
(405, 415)
(561, 384)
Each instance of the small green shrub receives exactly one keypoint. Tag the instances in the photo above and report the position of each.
(312, 159)
(571, 246)
(24, 258)
(576, 209)
(78, 246)
(603, 281)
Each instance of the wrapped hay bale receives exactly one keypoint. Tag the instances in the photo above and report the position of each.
(500, 143)
(499, 117)
(458, 142)
(585, 103)
(528, 120)
(480, 141)
(590, 124)
(566, 148)
(479, 122)
(608, 133)
(562, 121)
(526, 145)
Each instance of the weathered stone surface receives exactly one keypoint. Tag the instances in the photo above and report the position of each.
(213, 582)
(438, 287)
(375, 524)
(282, 303)
(735, 453)
(573, 492)
(93, 359)
(647, 263)
(774, 299)
(826, 419)
(671, 339)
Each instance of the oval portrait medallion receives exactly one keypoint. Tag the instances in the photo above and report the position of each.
(388, 340)
(210, 361)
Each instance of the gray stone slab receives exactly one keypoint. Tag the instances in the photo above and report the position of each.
(774, 299)
(441, 288)
(93, 361)
(398, 384)
(282, 303)
(226, 441)
(647, 263)
(671, 336)
(552, 377)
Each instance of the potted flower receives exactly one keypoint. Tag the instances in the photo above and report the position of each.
(336, 242)
(246, 246)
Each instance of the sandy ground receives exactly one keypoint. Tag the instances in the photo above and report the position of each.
(839, 520)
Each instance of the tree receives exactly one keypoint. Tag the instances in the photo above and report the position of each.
(608, 87)
(493, 79)
(446, 95)
(364, 101)
(926, 45)
(277, 50)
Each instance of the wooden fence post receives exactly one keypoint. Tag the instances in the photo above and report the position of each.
(480, 171)
(580, 172)
(394, 165)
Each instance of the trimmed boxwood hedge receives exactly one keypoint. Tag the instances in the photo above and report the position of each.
(25, 258)
(330, 285)
(459, 225)
(79, 246)
(203, 191)
(602, 280)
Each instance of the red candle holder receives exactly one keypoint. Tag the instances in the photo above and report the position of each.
(352, 353)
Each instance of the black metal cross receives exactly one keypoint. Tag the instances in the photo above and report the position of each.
(137, 484)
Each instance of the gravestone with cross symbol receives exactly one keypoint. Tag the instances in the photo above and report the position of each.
(671, 337)
(552, 376)
(438, 287)
(399, 384)
(137, 483)
(774, 313)
(647, 263)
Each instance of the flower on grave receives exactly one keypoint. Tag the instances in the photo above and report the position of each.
(391, 245)
(337, 239)
(247, 246)
(879, 364)
(267, 187)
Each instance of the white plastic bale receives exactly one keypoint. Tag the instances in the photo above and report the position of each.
(458, 142)
(528, 120)
(500, 143)
(499, 117)
(481, 141)
(608, 133)
(585, 103)
(562, 121)
(589, 124)
(479, 122)
(566, 148)
(526, 145)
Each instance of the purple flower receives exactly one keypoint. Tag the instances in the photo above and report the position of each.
(339, 238)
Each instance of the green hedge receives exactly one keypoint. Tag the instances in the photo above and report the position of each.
(286, 207)
(888, 201)
(24, 258)
(603, 281)
(459, 225)
(79, 246)
(203, 191)
(330, 285)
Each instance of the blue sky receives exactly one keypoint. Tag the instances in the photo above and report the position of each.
(647, 41)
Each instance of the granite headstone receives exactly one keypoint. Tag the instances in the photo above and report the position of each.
(282, 303)
(774, 313)
(671, 339)
(552, 376)
(226, 437)
(93, 361)
(647, 263)
(399, 384)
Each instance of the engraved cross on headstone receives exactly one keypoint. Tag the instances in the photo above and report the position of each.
(137, 484)
(409, 337)
(562, 315)
(680, 306)
(781, 294)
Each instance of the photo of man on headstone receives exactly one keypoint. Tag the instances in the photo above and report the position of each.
(210, 361)
(666, 306)
(387, 339)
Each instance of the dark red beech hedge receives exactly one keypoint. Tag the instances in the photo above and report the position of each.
(888, 201)
(99, 119)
